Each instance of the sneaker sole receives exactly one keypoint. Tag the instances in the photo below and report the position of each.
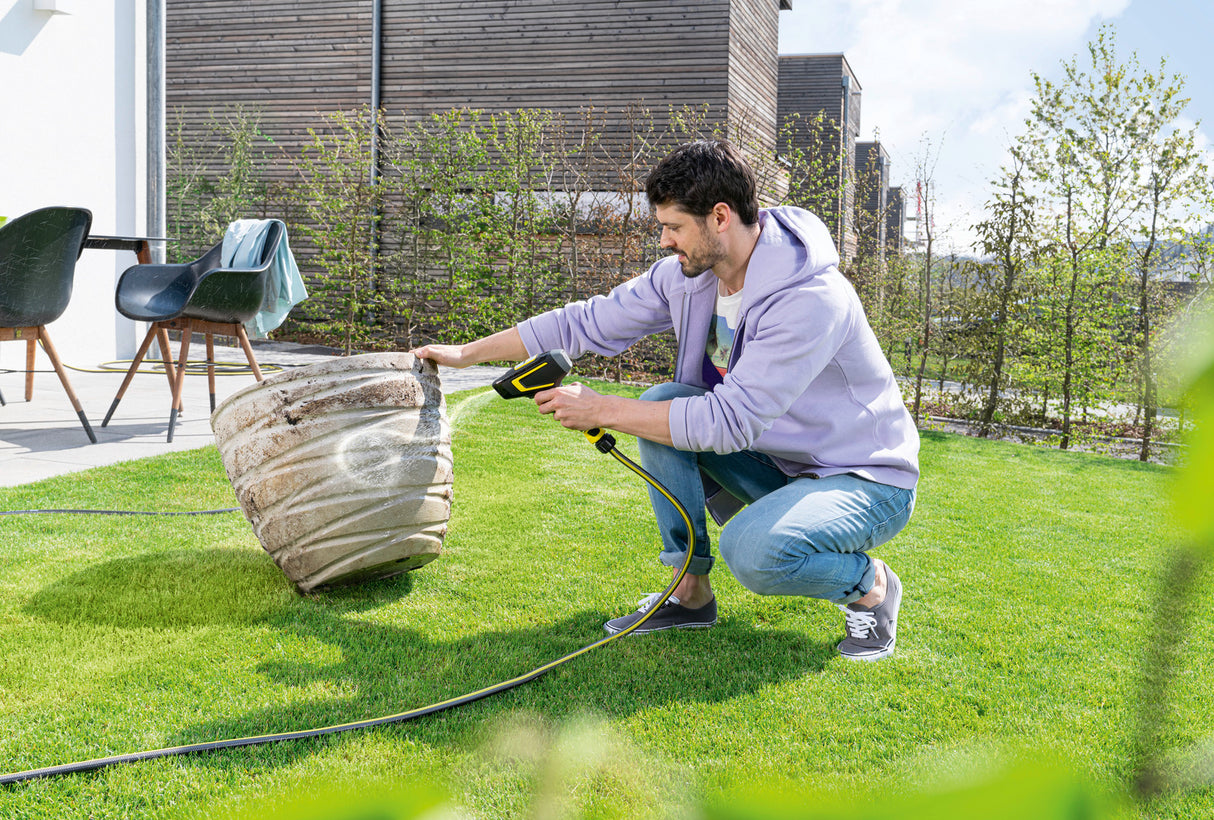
(869, 656)
(645, 630)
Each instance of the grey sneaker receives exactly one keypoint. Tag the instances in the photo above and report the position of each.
(871, 633)
(670, 615)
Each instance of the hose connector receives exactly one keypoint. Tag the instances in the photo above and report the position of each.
(601, 439)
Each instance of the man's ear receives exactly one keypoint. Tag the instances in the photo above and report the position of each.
(722, 217)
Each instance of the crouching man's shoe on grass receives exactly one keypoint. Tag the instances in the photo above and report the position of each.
(872, 631)
(670, 615)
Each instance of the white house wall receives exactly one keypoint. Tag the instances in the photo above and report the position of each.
(72, 132)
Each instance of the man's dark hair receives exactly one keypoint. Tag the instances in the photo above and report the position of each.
(698, 175)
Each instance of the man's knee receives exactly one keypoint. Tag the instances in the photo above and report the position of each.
(749, 560)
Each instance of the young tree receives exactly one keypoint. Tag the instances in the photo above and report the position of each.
(1007, 235)
(1085, 152)
(343, 207)
(520, 233)
(211, 185)
(924, 171)
(1104, 146)
(812, 152)
(1174, 179)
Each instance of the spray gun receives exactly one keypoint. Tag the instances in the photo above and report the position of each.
(536, 374)
(540, 373)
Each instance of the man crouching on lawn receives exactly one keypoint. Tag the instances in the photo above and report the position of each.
(783, 408)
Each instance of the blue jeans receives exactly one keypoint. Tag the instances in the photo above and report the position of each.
(796, 536)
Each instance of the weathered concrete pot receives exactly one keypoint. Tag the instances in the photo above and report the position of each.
(343, 467)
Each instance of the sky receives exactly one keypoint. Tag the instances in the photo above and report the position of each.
(946, 84)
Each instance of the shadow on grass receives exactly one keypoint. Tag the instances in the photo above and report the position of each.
(168, 590)
(393, 670)
(390, 669)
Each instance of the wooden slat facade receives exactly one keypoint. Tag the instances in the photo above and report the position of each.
(872, 197)
(813, 83)
(287, 60)
(895, 220)
(293, 60)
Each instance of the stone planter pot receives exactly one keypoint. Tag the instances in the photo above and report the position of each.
(343, 467)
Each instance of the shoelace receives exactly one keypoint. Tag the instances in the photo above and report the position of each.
(859, 624)
(645, 603)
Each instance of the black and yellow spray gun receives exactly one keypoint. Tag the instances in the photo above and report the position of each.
(525, 379)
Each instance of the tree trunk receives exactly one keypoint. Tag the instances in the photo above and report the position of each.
(927, 328)
(1144, 329)
(1069, 355)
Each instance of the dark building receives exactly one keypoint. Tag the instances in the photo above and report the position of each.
(895, 218)
(872, 199)
(819, 108)
(292, 61)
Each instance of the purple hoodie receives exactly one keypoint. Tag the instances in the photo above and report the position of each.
(807, 384)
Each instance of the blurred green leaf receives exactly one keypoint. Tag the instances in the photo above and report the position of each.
(324, 802)
(1033, 790)
(1194, 490)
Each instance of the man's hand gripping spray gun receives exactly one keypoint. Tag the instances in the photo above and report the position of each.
(546, 371)
(542, 372)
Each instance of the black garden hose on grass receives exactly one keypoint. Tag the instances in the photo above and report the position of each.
(603, 441)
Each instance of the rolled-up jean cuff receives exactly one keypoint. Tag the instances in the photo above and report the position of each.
(700, 564)
(859, 590)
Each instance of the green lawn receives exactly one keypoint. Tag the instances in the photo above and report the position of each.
(1029, 579)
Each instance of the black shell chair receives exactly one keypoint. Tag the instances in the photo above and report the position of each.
(198, 296)
(38, 253)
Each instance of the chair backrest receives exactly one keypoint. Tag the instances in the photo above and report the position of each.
(273, 236)
(224, 296)
(38, 253)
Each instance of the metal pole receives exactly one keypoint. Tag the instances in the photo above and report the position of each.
(156, 197)
(377, 8)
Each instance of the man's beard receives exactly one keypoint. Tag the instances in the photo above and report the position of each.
(711, 252)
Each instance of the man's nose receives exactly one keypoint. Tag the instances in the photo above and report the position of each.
(665, 241)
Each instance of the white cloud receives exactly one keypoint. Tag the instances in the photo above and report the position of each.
(959, 72)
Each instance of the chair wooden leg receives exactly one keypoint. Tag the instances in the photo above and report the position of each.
(130, 373)
(211, 366)
(248, 351)
(166, 353)
(29, 367)
(71, 394)
(179, 382)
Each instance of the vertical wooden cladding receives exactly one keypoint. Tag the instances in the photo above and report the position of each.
(809, 83)
(286, 59)
(294, 59)
(812, 83)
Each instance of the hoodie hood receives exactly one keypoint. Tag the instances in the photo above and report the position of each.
(810, 231)
(793, 248)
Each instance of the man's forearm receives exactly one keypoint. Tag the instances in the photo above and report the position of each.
(506, 345)
(646, 419)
